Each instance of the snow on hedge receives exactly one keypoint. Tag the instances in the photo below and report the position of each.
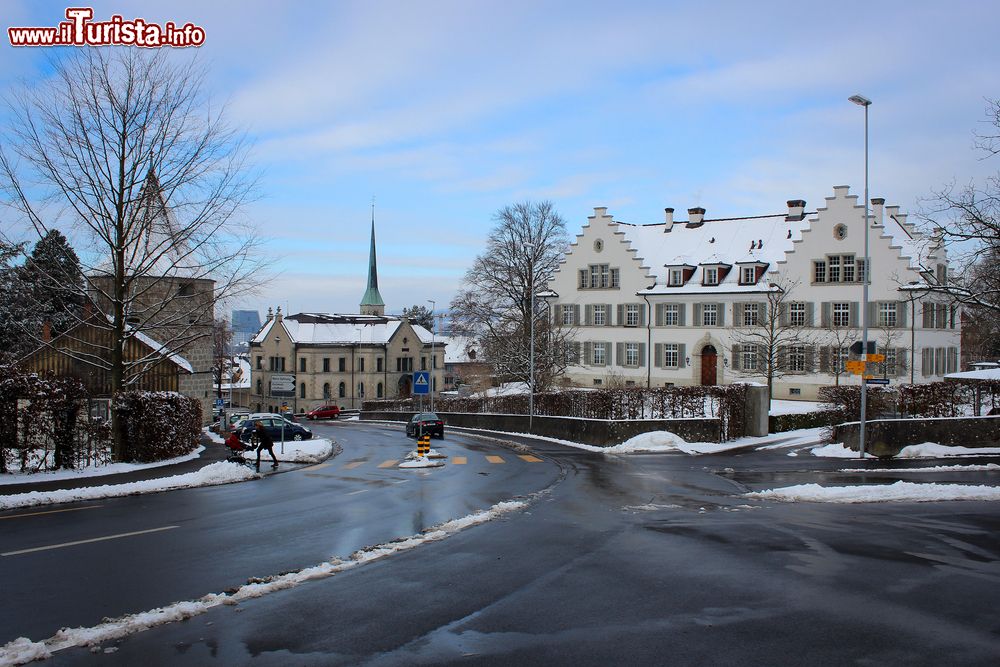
(879, 493)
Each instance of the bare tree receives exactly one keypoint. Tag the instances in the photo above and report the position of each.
(494, 305)
(122, 144)
(834, 353)
(771, 340)
(222, 361)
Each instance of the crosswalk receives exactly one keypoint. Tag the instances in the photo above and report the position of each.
(353, 464)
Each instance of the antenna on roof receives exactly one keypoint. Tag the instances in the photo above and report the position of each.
(789, 234)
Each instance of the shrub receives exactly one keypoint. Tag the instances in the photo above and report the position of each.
(158, 425)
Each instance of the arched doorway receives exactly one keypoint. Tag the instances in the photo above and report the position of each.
(404, 386)
(709, 365)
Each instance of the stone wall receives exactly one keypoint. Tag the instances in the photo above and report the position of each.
(886, 437)
(598, 432)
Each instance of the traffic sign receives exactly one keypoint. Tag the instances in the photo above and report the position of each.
(876, 358)
(282, 385)
(856, 367)
(421, 382)
(876, 380)
(219, 402)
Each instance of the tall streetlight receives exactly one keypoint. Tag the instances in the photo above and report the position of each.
(433, 343)
(531, 333)
(864, 102)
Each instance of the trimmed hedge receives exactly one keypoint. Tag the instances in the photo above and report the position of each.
(782, 423)
(158, 425)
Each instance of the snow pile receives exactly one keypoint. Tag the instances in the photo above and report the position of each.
(786, 407)
(23, 650)
(213, 436)
(931, 450)
(975, 468)
(302, 451)
(652, 442)
(216, 473)
(94, 471)
(880, 493)
(837, 450)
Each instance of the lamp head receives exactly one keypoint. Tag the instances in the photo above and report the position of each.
(859, 100)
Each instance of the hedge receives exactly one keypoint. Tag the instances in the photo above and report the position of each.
(158, 424)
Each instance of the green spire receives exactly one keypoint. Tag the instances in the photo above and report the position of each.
(372, 296)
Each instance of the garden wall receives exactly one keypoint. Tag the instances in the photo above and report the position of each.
(886, 437)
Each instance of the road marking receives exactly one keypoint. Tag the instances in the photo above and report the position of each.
(529, 458)
(69, 509)
(388, 464)
(321, 474)
(354, 493)
(352, 465)
(315, 467)
(93, 539)
(460, 460)
(495, 459)
(401, 481)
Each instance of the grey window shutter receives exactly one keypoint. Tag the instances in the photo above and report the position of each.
(658, 355)
(810, 314)
(927, 311)
(575, 347)
(810, 359)
(721, 308)
(826, 312)
(583, 278)
(642, 355)
(681, 355)
(942, 316)
(607, 315)
(926, 361)
(607, 353)
(642, 314)
(681, 314)
(854, 307)
(658, 314)
(783, 314)
(901, 361)
(824, 359)
(698, 319)
(782, 359)
(738, 311)
(588, 314)
(588, 353)
(621, 314)
(873, 307)
(737, 358)
(557, 315)
(620, 354)
(951, 317)
(952, 360)
(939, 362)
(902, 313)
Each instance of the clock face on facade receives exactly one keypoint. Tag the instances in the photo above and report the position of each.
(840, 232)
(598, 245)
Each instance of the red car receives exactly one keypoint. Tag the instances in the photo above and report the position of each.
(325, 412)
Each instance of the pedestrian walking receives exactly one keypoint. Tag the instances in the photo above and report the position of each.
(264, 441)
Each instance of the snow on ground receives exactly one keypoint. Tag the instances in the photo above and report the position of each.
(785, 407)
(23, 650)
(930, 450)
(956, 468)
(879, 493)
(215, 473)
(93, 471)
(837, 450)
(313, 450)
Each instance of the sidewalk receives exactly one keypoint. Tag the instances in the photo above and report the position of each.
(213, 452)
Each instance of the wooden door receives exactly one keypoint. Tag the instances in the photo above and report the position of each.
(709, 364)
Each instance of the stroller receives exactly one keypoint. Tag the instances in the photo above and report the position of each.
(238, 450)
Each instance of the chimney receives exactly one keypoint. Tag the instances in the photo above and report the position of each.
(668, 217)
(796, 210)
(696, 216)
(878, 203)
(277, 315)
(270, 314)
(46, 331)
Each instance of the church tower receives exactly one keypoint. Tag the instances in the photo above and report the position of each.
(371, 302)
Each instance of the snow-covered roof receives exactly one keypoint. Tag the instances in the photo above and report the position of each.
(986, 374)
(239, 370)
(340, 329)
(160, 349)
(458, 349)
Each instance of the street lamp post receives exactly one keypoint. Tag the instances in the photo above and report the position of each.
(864, 102)
(433, 343)
(531, 334)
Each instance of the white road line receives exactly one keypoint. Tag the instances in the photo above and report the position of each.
(94, 539)
(354, 493)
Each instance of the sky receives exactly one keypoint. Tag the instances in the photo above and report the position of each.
(445, 112)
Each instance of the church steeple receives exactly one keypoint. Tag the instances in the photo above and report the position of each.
(371, 302)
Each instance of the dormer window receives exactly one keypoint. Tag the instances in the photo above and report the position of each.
(676, 277)
(710, 276)
(748, 275)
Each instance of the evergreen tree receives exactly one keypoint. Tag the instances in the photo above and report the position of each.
(54, 282)
(421, 315)
(13, 305)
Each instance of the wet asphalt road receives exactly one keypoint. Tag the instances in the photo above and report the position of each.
(656, 560)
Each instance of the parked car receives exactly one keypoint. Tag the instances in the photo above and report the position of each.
(426, 423)
(273, 425)
(324, 412)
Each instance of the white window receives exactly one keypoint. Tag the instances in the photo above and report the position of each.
(711, 277)
(614, 277)
(671, 314)
(833, 268)
(797, 358)
(849, 265)
(840, 357)
(887, 314)
(749, 353)
(605, 275)
(631, 314)
(631, 354)
(749, 275)
(751, 314)
(599, 354)
(890, 360)
(599, 314)
(861, 270)
(819, 272)
(841, 314)
(567, 313)
(710, 314)
(676, 276)
(595, 276)
(797, 314)
(671, 355)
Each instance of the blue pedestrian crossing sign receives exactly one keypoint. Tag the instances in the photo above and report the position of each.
(422, 382)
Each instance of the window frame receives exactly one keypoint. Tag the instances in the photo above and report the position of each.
(843, 313)
(709, 309)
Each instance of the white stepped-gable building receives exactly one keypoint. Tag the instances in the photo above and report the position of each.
(671, 302)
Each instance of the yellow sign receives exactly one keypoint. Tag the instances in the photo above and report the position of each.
(856, 367)
(877, 358)
(868, 377)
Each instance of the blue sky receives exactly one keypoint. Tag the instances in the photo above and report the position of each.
(447, 111)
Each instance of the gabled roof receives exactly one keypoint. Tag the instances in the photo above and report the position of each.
(340, 329)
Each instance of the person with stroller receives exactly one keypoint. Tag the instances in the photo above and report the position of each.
(264, 441)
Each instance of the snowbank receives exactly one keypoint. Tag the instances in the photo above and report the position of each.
(785, 407)
(931, 450)
(303, 451)
(956, 468)
(216, 473)
(879, 493)
(93, 471)
(837, 450)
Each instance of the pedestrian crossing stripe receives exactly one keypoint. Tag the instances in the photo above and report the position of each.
(352, 465)
(529, 458)
(388, 464)
(460, 460)
(495, 459)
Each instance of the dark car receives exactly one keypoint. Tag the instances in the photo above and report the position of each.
(273, 425)
(426, 423)
(324, 412)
